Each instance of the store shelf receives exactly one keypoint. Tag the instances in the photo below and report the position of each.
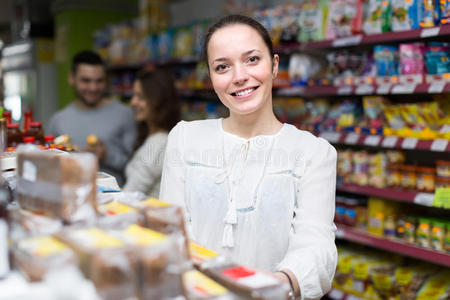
(365, 89)
(359, 39)
(410, 196)
(388, 142)
(364, 238)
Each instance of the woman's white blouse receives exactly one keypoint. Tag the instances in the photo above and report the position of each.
(268, 201)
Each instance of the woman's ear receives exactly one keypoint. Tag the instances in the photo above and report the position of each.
(275, 62)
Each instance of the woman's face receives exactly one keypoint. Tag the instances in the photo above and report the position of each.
(241, 68)
(139, 103)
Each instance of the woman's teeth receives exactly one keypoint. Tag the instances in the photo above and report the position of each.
(244, 92)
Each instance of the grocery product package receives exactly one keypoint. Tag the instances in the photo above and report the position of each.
(244, 281)
(199, 286)
(36, 256)
(104, 259)
(406, 14)
(409, 279)
(117, 214)
(59, 185)
(24, 223)
(312, 20)
(378, 17)
(437, 287)
(157, 261)
(345, 17)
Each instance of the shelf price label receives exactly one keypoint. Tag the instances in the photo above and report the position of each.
(352, 138)
(436, 87)
(389, 142)
(383, 89)
(372, 140)
(365, 89)
(439, 145)
(408, 88)
(409, 143)
(347, 41)
(345, 90)
(332, 137)
(425, 199)
(340, 233)
(427, 32)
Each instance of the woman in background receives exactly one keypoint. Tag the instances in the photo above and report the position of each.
(156, 110)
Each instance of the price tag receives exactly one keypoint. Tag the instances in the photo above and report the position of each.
(347, 41)
(365, 89)
(427, 32)
(409, 143)
(439, 145)
(352, 297)
(293, 91)
(436, 87)
(344, 90)
(425, 199)
(383, 89)
(372, 140)
(404, 88)
(336, 294)
(442, 198)
(389, 142)
(340, 233)
(352, 138)
(332, 137)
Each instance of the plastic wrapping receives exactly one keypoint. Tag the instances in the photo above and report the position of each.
(25, 224)
(36, 256)
(244, 281)
(104, 259)
(199, 286)
(60, 185)
(115, 214)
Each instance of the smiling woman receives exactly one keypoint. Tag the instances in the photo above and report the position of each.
(252, 187)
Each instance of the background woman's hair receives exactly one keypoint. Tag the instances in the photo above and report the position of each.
(237, 19)
(159, 91)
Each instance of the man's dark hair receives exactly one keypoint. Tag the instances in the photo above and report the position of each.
(86, 57)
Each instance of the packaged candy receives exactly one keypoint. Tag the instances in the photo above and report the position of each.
(430, 13)
(445, 11)
(344, 18)
(312, 20)
(437, 59)
(378, 17)
(386, 60)
(411, 59)
(406, 14)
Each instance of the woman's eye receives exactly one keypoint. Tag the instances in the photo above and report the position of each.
(220, 68)
(253, 59)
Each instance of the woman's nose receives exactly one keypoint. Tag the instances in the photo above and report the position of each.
(240, 75)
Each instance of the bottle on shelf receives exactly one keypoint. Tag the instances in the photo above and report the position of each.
(7, 116)
(14, 135)
(49, 141)
(35, 130)
(29, 140)
(28, 119)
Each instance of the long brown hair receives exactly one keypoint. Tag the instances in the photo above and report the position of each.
(159, 91)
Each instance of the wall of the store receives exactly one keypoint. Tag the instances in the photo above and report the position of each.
(184, 12)
(74, 29)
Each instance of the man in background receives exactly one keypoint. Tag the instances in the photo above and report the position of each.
(92, 113)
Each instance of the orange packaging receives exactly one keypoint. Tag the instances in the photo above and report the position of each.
(425, 179)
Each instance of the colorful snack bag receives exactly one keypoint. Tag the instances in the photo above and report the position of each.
(445, 11)
(411, 59)
(378, 18)
(406, 14)
(386, 60)
(430, 13)
(312, 20)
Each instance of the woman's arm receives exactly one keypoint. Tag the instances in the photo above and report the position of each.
(312, 256)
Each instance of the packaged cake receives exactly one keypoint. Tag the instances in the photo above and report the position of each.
(104, 259)
(247, 282)
(199, 286)
(59, 185)
(35, 256)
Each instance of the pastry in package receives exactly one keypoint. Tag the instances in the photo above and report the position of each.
(199, 286)
(104, 259)
(58, 185)
(35, 256)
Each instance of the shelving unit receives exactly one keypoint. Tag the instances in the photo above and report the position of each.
(409, 196)
(365, 238)
(357, 40)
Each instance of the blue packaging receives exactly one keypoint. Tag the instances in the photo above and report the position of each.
(386, 60)
(406, 14)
